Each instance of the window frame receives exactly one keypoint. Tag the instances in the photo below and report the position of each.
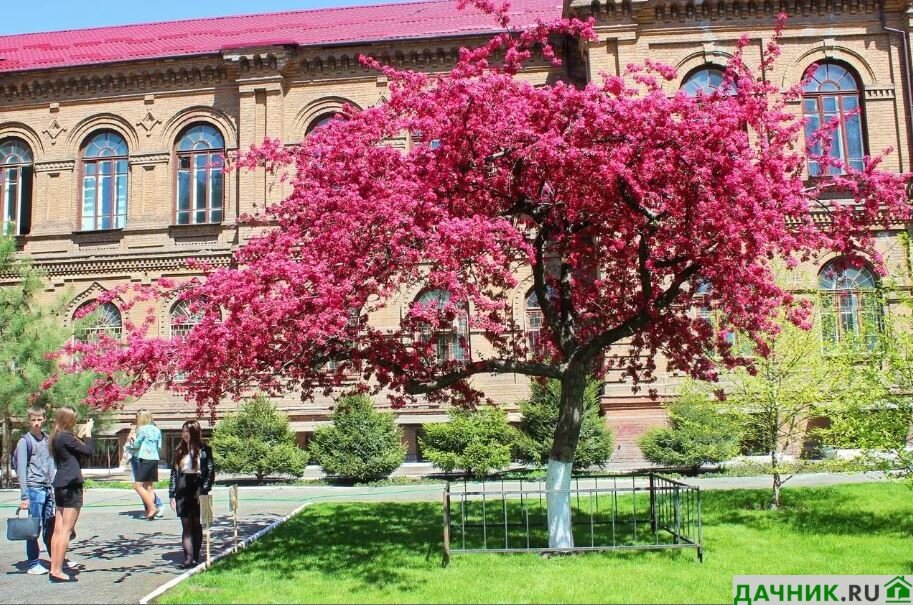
(705, 67)
(841, 134)
(533, 335)
(322, 119)
(214, 164)
(866, 308)
(96, 162)
(23, 184)
(99, 327)
(446, 340)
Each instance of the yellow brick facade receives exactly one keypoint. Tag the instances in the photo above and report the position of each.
(279, 91)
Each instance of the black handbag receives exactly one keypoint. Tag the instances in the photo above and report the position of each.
(22, 528)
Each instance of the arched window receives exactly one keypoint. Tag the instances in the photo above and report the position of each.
(15, 186)
(534, 322)
(451, 344)
(200, 161)
(183, 319)
(833, 92)
(322, 120)
(850, 304)
(105, 319)
(104, 182)
(703, 81)
(708, 314)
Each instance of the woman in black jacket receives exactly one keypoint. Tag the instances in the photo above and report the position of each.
(192, 474)
(67, 451)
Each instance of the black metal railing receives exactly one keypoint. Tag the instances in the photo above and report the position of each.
(609, 512)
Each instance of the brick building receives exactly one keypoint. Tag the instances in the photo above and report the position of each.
(111, 138)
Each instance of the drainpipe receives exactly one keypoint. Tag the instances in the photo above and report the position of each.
(905, 65)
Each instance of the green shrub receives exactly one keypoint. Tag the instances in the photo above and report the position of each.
(698, 433)
(478, 442)
(256, 440)
(540, 417)
(361, 445)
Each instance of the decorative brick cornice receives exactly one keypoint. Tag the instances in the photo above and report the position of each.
(150, 158)
(135, 78)
(684, 11)
(55, 166)
(344, 61)
(122, 265)
(259, 60)
(879, 93)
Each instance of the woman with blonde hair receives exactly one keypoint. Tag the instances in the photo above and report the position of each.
(192, 475)
(67, 450)
(145, 451)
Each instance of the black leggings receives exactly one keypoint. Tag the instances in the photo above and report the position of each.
(192, 537)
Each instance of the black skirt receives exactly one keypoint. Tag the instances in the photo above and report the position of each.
(146, 471)
(187, 495)
(68, 497)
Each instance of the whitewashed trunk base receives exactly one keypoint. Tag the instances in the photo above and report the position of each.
(558, 500)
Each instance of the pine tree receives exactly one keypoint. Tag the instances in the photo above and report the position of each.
(28, 334)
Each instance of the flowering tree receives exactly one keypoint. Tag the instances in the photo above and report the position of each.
(629, 208)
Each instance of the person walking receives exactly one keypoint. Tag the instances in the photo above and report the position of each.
(192, 475)
(35, 470)
(67, 450)
(145, 462)
(135, 469)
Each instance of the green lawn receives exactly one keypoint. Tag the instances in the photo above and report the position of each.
(353, 553)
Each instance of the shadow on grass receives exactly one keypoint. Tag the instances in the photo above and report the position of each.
(838, 511)
(374, 544)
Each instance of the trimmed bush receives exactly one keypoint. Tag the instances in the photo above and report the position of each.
(699, 433)
(256, 440)
(477, 442)
(540, 417)
(361, 445)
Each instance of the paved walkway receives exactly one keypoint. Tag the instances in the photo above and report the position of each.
(125, 557)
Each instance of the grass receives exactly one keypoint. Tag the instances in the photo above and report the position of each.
(95, 483)
(391, 552)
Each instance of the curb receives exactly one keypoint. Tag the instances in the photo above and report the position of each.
(203, 566)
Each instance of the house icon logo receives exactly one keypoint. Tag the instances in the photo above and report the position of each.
(897, 590)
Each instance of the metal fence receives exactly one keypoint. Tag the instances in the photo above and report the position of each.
(609, 512)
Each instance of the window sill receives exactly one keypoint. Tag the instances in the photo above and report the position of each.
(201, 227)
(99, 236)
(202, 233)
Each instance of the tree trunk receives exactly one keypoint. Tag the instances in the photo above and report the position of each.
(561, 459)
(775, 471)
(6, 479)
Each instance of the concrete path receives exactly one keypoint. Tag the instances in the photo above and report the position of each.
(124, 557)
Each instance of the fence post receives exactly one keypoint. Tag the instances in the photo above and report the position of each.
(700, 529)
(652, 504)
(446, 495)
(678, 514)
(233, 503)
(206, 504)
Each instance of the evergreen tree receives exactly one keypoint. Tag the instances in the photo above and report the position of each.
(540, 417)
(478, 443)
(361, 445)
(28, 334)
(257, 440)
(700, 431)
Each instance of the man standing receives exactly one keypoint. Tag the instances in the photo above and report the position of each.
(35, 470)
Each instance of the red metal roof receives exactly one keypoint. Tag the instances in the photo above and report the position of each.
(411, 20)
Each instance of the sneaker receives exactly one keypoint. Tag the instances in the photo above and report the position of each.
(159, 512)
(37, 570)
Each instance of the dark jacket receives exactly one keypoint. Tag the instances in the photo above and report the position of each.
(67, 452)
(207, 473)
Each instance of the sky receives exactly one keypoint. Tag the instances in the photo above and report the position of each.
(50, 15)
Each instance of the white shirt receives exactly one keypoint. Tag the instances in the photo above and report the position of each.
(187, 465)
